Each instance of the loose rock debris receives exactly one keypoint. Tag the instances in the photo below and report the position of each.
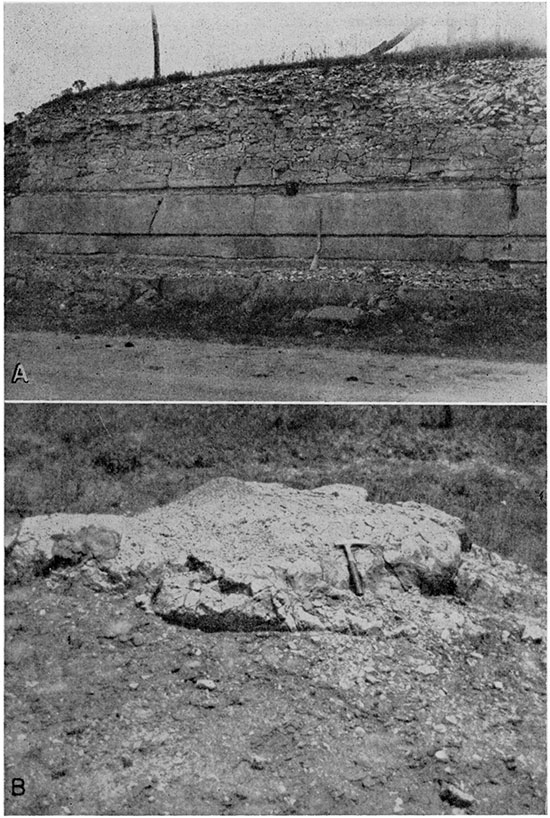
(291, 693)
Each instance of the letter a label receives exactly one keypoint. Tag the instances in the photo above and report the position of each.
(19, 374)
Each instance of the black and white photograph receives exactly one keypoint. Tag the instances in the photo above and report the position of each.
(275, 610)
(275, 408)
(275, 201)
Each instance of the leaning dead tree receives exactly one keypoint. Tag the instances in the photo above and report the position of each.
(386, 45)
(156, 47)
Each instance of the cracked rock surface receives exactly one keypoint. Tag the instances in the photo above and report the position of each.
(233, 555)
(405, 699)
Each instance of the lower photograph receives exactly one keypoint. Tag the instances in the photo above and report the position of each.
(275, 609)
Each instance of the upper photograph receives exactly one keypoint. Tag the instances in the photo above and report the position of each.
(275, 202)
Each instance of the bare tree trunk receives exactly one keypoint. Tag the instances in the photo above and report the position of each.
(155, 43)
(385, 45)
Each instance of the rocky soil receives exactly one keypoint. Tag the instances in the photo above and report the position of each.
(486, 310)
(112, 709)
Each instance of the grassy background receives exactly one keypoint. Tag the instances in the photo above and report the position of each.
(484, 464)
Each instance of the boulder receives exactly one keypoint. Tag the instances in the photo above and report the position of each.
(350, 316)
(240, 555)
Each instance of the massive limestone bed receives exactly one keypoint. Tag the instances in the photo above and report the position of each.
(240, 556)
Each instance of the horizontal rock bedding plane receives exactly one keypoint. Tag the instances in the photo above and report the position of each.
(369, 161)
(234, 555)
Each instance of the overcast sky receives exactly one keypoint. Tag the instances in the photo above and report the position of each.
(47, 46)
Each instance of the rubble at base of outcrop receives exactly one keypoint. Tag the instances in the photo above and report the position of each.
(233, 555)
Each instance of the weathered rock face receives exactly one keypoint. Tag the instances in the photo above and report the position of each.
(387, 160)
(236, 555)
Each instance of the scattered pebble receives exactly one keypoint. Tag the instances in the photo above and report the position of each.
(258, 762)
(532, 633)
(442, 755)
(455, 796)
(114, 630)
(205, 684)
(426, 670)
(142, 714)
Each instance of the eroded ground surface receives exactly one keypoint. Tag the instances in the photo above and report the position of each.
(111, 710)
(62, 366)
(215, 329)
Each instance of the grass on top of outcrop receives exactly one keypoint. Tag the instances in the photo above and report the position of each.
(483, 464)
(436, 55)
(422, 55)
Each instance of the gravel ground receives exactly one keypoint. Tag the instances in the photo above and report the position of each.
(111, 710)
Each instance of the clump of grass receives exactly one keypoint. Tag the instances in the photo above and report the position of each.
(442, 55)
(466, 52)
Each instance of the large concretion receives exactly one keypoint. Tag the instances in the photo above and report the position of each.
(240, 555)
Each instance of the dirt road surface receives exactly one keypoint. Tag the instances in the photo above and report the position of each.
(94, 367)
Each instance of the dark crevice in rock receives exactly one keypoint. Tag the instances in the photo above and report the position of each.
(231, 586)
(514, 206)
(58, 562)
(227, 622)
(155, 213)
(194, 564)
(428, 584)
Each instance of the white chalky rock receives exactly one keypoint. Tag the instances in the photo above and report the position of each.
(241, 555)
